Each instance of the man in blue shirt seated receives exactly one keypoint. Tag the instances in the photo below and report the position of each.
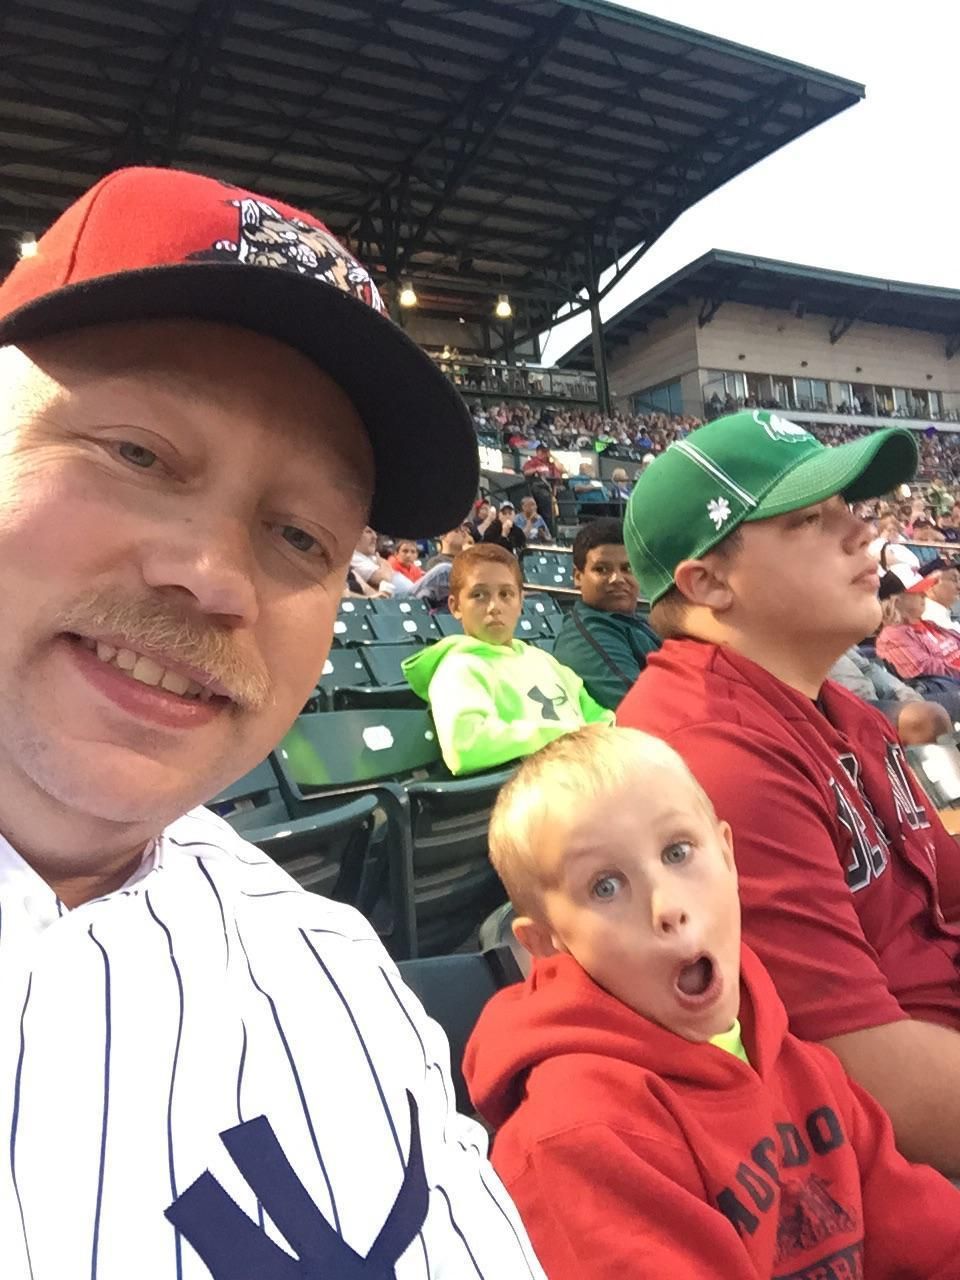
(531, 523)
(602, 638)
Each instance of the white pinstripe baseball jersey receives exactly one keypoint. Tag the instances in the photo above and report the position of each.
(211, 1072)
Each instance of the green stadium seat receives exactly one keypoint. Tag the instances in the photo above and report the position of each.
(343, 669)
(546, 643)
(351, 628)
(558, 574)
(454, 885)
(325, 852)
(399, 604)
(447, 624)
(453, 990)
(401, 628)
(541, 605)
(428, 884)
(339, 751)
(386, 685)
(354, 604)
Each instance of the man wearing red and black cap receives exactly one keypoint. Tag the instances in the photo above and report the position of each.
(205, 1070)
(760, 577)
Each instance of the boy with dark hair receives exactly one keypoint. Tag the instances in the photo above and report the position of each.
(494, 698)
(601, 638)
(743, 539)
(404, 559)
(654, 1116)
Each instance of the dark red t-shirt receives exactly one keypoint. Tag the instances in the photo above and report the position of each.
(845, 873)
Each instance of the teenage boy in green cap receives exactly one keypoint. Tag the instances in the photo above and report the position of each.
(742, 537)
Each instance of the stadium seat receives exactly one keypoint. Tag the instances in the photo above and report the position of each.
(354, 604)
(453, 990)
(454, 885)
(430, 883)
(325, 852)
(557, 574)
(341, 751)
(540, 605)
(385, 685)
(351, 627)
(343, 669)
(546, 643)
(399, 604)
(253, 800)
(447, 624)
(497, 931)
(400, 628)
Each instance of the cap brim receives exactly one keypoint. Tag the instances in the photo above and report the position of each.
(859, 469)
(424, 445)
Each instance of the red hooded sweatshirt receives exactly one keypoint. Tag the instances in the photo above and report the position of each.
(631, 1152)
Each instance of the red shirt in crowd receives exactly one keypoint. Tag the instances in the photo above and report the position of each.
(845, 877)
(546, 467)
(920, 649)
(632, 1152)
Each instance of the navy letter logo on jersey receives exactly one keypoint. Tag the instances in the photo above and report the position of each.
(909, 811)
(234, 1248)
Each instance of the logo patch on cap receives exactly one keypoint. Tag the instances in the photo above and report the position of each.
(718, 509)
(780, 429)
(266, 238)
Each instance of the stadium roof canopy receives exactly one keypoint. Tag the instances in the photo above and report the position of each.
(720, 277)
(473, 145)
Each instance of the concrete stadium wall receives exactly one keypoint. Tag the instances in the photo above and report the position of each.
(666, 351)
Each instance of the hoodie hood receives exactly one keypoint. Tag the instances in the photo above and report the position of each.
(560, 1010)
(420, 668)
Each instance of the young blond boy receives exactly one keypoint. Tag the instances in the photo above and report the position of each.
(654, 1115)
(493, 697)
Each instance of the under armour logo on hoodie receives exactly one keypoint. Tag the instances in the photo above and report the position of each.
(548, 706)
(235, 1248)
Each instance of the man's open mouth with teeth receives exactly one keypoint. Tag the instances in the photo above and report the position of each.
(148, 671)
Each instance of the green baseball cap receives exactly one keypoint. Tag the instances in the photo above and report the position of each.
(747, 466)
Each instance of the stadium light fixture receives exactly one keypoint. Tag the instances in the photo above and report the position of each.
(28, 245)
(408, 295)
(503, 309)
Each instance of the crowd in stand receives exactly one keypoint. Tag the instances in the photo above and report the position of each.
(523, 425)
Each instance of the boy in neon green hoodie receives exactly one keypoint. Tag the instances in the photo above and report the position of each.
(494, 698)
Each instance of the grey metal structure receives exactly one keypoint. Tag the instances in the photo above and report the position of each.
(720, 276)
(476, 146)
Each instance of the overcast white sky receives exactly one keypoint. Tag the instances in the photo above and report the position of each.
(874, 191)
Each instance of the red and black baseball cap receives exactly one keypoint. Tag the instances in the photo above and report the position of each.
(152, 244)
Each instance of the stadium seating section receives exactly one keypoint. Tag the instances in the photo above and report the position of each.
(356, 803)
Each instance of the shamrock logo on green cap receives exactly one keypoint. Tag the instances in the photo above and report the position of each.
(718, 509)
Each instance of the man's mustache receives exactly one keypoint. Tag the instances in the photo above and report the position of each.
(158, 628)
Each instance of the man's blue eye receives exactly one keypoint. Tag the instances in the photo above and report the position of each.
(298, 538)
(137, 454)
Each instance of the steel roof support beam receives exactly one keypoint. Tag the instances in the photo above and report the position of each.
(839, 327)
(176, 88)
(521, 71)
(596, 330)
(708, 310)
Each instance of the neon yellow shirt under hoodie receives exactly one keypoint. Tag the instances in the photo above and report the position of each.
(493, 703)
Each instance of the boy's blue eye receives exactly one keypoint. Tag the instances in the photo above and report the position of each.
(675, 854)
(607, 887)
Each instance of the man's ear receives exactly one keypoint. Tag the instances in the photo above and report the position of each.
(534, 937)
(704, 583)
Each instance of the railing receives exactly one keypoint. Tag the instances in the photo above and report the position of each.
(517, 381)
